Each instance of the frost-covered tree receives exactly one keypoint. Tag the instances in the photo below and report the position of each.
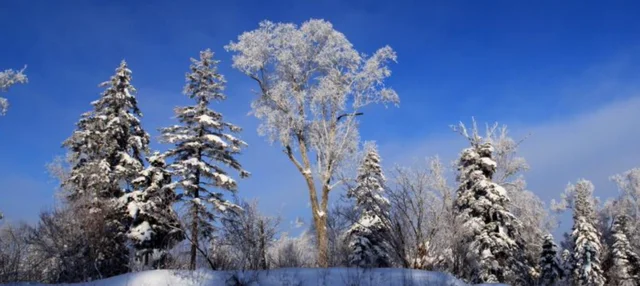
(624, 261)
(154, 227)
(249, 235)
(63, 247)
(492, 242)
(628, 204)
(585, 256)
(7, 79)
(422, 214)
(293, 252)
(204, 148)
(369, 235)
(106, 156)
(550, 269)
(525, 205)
(312, 83)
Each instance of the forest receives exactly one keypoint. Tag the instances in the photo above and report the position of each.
(127, 208)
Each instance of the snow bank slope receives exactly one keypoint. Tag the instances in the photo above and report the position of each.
(277, 277)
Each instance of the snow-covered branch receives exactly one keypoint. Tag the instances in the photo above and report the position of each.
(7, 79)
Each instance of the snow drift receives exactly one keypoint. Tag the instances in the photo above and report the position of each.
(285, 276)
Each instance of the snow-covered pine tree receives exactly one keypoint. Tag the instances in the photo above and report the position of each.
(368, 236)
(621, 271)
(7, 79)
(109, 142)
(550, 268)
(492, 242)
(566, 265)
(154, 227)
(202, 139)
(106, 156)
(628, 202)
(524, 204)
(585, 260)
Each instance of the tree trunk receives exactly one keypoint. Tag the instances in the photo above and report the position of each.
(319, 209)
(323, 240)
(195, 215)
(320, 221)
(262, 245)
(194, 234)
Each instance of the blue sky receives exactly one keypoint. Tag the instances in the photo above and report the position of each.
(568, 72)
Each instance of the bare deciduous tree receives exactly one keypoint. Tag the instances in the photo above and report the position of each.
(14, 253)
(289, 251)
(422, 214)
(249, 234)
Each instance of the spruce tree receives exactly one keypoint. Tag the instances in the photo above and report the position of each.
(154, 227)
(567, 263)
(493, 247)
(551, 270)
(106, 156)
(585, 257)
(204, 147)
(368, 237)
(109, 142)
(623, 258)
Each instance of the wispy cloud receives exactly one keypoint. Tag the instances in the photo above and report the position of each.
(594, 144)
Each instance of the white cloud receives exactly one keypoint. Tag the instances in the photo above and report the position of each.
(593, 145)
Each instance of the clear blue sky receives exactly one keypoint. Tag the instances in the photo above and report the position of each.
(565, 71)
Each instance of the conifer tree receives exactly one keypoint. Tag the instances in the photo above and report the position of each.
(566, 265)
(106, 156)
(628, 202)
(368, 237)
(585, 257)
(154, 227)
(623, 258)
(204, 147)
(109, 142)
(551, 270)
(492, 242)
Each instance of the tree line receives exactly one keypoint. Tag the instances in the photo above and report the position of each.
(128, 208)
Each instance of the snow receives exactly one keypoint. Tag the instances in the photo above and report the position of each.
(194, 162)
(369, 221)
(283, 276)
(197, 201)
(215, 139)
(207, 120)
(141, 232)
(133, 209)
(224, 179)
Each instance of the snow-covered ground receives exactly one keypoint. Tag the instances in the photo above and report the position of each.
(285, 277)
